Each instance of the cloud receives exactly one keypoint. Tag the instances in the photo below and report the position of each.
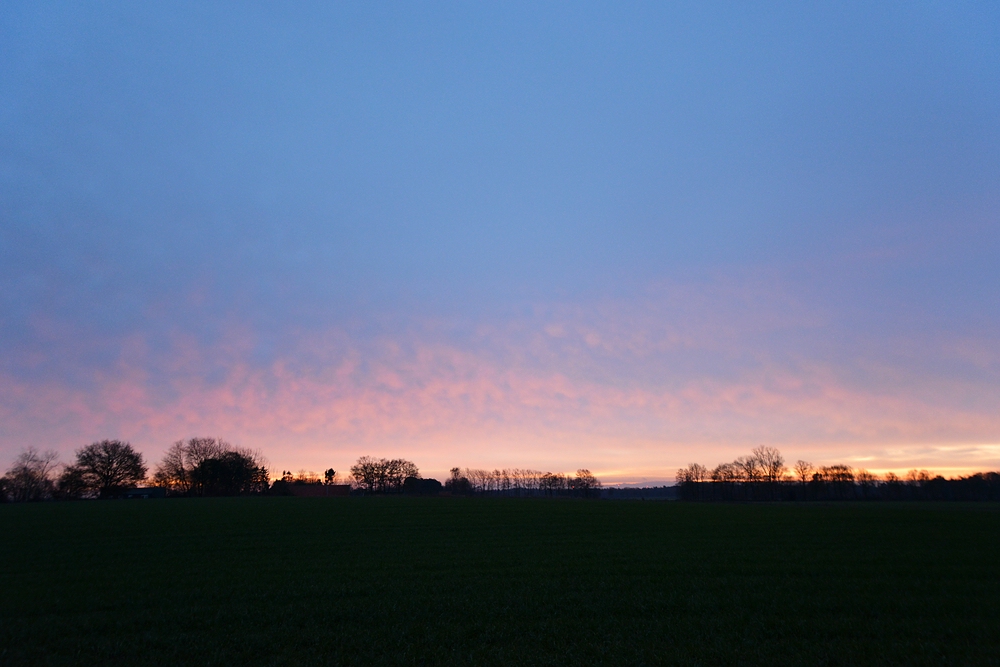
(639, 385)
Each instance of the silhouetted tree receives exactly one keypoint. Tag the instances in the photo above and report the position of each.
(201, 449)
(397, 472)
(421, 487)
(840, 479)
(725, 478)
(748, 477)
(892, 487)
(511, 482)
(771, 463)
(330, 476)
(213, 467)
(174, 471)
(366, 473)
(71, 485)
(525, 481)
(803, 470)
(304, 478)
(233, 473)
(691, 481)
(30, 477)
(867, 483)
(458, 484)
(373, 475)
(748, 468)
(103, 469)
(694, 473)
(917, 478)
(552, 483)
(585, 483)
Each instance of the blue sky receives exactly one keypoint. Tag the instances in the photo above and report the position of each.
(556, 235)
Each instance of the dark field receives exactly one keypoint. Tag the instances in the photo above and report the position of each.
(478, 581)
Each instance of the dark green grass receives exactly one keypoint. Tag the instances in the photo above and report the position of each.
(426, 581)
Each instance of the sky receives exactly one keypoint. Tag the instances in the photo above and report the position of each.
(616, 236)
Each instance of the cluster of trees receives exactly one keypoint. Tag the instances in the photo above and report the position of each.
(307, 477)
(372, 475)
(101, 470)
(211, 467)
(214, 467)
(521, 482)
(107, 469)
(284, 485)
(763, 476)
(30, 478)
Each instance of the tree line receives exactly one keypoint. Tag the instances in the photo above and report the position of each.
(372, 475)
(763, 475)
(521, 482)
(213, 467)
(107, 469)
(101, 470)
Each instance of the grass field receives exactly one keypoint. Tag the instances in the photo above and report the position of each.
(478, 581)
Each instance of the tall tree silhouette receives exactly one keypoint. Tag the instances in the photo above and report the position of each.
(211, 466)
(585, 483)
(104, 469)
(30, 477)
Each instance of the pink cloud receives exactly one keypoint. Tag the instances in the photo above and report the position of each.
(631, 388)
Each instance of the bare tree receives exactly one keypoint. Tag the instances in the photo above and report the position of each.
(866, 482)
(105, 468)
(396, 472)
(694, 473)
(690, 480)
(479, 479)
(726, 473)
(525, 480)
(839, 478)
(365, 473)
(30, 476)
(533, 480)
(838, 473)
(503, 480)
(803, 470)
(185, 469)
(173, 473)
(771, 463)
(585, 483)
(382, 475)
(304, 476)
(197, 450)
(749, 469)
